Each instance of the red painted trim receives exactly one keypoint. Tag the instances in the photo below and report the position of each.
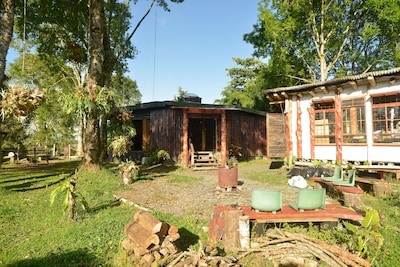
(338, 127)
(311, 115)
(299, 132)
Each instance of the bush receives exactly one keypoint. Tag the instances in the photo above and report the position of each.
(159, 156)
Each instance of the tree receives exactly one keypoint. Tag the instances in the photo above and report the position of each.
(322, 39)
(50, 125)
(243, 91)
(7, 8)
(126, 90)
(102, 41)
(181, 94)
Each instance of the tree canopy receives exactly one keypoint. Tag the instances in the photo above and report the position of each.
(242, 90)
(308, 41)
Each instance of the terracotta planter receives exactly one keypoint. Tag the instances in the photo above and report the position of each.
(228, 177)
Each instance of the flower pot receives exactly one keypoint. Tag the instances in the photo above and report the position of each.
(228, 177)
(127, 177)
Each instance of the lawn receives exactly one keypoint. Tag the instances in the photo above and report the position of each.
(34, 234)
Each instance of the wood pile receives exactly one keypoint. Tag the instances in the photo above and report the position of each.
(293, 249)
(149, 239)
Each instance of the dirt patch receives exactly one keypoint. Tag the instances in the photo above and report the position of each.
(198, 197)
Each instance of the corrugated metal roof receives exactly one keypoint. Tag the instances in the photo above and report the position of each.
(183, 104)
(336, 81)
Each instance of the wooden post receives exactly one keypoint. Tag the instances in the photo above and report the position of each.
(34, 155)
(223, 138)
(244, 231)
(231, 238)
(185, 137)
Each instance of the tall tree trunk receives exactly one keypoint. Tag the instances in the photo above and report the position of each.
(97, 32)
(79, 149)
(7, 8)
(92, 134)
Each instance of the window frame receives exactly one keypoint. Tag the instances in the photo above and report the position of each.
(386, 136)
(327, 109)
(355, 122)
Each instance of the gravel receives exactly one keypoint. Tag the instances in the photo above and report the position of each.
(198, 198)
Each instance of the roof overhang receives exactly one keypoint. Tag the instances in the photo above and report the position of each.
(279, 95)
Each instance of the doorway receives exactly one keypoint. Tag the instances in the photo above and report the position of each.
(202, 133)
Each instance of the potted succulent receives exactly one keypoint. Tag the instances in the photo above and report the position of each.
(228, 175)
(129, 171)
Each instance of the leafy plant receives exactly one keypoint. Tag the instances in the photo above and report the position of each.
(235, 151)
(70, 197)
(157, 156)
(120, 145)
(290, 161)
(232, 161)
(367, 239)
(129, 167)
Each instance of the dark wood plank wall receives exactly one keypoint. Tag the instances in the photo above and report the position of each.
(276, 136)
(166, 131)
(248, 131)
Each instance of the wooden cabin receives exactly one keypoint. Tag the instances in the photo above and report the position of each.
(354, 118)
(175, 125)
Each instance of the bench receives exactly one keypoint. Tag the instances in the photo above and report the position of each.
(34, 158)
(351, 195)
(220, 222)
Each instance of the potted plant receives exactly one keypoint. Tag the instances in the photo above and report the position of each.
(228, 175)
(129, 171)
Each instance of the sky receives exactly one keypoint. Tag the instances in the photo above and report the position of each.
(190, 47)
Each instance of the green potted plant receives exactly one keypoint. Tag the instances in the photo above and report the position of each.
(129, 171)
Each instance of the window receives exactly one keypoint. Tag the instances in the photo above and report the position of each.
(353, 119)
(386, 118)
(324, 122)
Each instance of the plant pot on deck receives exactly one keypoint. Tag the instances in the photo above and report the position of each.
(228, 177)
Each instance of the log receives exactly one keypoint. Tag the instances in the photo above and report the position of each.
(163, 230)
(141, 235)
(244, 231)
(128, 245)
(231, 239)
(172, 229)
(148, 221)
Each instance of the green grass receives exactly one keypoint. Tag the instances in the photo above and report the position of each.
(34, 234)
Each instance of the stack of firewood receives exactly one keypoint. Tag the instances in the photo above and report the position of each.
(149, 239)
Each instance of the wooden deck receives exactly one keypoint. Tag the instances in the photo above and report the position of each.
(331, 213)
(381, 169)
(346, 189)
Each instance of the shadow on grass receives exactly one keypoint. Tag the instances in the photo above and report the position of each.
(186, 240)
(34, 183)
(104, 205)
(74, 258)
